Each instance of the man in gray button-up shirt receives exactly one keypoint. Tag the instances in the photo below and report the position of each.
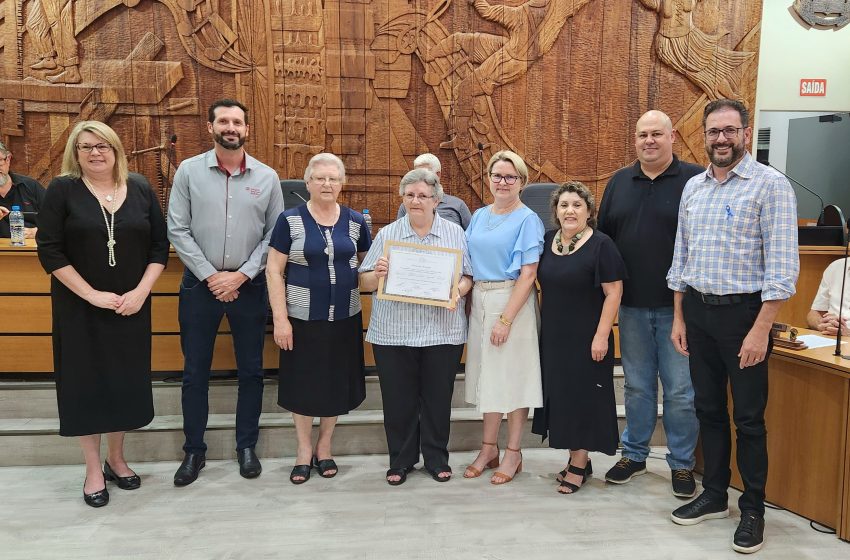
(221, 213)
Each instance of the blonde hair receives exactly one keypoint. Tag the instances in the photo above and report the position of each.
(70, 159)
(513, 159)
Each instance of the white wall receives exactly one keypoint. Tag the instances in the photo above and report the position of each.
(789, 52)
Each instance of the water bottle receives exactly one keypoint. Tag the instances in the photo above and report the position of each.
(368, 218)
(16, 224)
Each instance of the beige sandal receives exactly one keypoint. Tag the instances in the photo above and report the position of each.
(507, 478)
(474, 472)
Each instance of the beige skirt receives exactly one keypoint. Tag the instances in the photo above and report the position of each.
(507, 377)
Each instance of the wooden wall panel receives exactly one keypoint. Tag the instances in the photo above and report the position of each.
(377, 82)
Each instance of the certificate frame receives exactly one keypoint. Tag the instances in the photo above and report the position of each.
(389, 245)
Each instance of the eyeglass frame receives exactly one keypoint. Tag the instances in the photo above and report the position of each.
(509, 180)
(326, 180)
(101, 147)
(410, 197)
(714, 133)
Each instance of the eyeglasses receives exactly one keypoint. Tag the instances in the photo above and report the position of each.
(730, 132)
(89, 148)
(410, 197)
(508, 179)
(323, 180)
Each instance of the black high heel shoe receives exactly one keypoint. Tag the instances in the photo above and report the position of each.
(124, 482)
(96, 499)
(588, 469)
(573, 488)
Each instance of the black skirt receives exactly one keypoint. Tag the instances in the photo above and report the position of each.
(323, 375)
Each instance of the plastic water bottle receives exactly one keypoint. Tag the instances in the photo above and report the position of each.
(368, 218)
(16, 224)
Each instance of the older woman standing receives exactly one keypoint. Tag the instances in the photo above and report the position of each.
(417, 347)
(102, 237)
(502, 361)
(581, 276)
(312, 281)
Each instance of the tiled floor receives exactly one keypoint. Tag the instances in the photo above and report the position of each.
(358, 516)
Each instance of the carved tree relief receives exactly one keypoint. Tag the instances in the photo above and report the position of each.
(561, 82)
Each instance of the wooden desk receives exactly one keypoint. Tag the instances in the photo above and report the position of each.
(807, 425)
(813, 261)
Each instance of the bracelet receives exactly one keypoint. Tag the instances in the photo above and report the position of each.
(505, 321)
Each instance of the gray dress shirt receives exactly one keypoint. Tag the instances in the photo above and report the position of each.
(218, 221)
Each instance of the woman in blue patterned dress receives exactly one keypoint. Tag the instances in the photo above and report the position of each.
(314, 253)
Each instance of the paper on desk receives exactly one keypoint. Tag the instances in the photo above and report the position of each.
(817, 341)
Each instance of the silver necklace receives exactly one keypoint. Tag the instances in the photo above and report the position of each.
(507, 214)
(327, 235)
(110, 222)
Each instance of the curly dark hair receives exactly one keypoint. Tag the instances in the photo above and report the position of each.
(583, 192)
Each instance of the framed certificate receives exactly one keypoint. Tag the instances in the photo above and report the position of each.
(421, 274)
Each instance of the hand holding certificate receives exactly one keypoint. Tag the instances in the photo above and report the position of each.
(421, 274)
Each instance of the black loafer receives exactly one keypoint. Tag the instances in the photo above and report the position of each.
(188, 471)
(302, 471)
(324, 465)
(401, 473)
(96, 499)
(249, 464)
(124, 482)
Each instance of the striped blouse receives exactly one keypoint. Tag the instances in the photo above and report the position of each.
(321, 270)
(395, 323)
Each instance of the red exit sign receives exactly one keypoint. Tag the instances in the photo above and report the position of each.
(812, 87)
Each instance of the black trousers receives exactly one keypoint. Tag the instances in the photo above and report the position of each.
(416, 388)
(715, 334)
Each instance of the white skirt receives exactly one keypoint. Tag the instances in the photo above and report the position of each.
(507, 377)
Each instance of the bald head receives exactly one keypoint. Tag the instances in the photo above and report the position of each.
(654, 137)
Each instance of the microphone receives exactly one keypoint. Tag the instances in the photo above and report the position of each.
(298, 195)
(841, 301)
(807, 189)
(173, 140)
(481, 164)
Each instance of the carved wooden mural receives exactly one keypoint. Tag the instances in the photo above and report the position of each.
(377, 82)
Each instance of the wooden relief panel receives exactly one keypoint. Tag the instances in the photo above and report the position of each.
(377, 82)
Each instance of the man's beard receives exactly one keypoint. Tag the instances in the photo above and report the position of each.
(736, 153)
(4, 178)
(227, 144)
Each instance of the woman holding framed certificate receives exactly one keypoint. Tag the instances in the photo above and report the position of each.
(312, 281)
(418, 337)
(502, 356)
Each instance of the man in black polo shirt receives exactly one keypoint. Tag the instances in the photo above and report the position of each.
(17, 190)
(639, 211)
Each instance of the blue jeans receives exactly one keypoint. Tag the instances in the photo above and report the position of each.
(200, 316)
(647, 354)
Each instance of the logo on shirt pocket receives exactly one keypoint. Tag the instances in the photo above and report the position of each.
(253, 191)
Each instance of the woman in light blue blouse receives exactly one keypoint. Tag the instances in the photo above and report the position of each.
(312, 279)
(417, 347)
(502, 358)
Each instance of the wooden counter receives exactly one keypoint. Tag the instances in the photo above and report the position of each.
(807, 424)
(813, 261)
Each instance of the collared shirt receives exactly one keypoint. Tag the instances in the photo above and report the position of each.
(828, 298)
(25, 192)
(222, 222)
(640, 214)
(737, 236)
(451, 208)
(396, 323)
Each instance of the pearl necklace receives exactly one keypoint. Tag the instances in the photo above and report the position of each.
(110, 222)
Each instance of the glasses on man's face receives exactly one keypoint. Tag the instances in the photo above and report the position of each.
(508, 179)
(410, 197)
(730, 132)
(328, 180)
(89, 148)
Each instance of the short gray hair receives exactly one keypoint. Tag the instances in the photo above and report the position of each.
(428, 160)
(323, 158)
(424, 176)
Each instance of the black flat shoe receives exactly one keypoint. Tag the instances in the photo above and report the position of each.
(188, 471)
(573, 488)
(435, 473)
(302, 471)
(124, 482)
(249, 463)
(401, 473)
(96, 499)
(325, 465)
